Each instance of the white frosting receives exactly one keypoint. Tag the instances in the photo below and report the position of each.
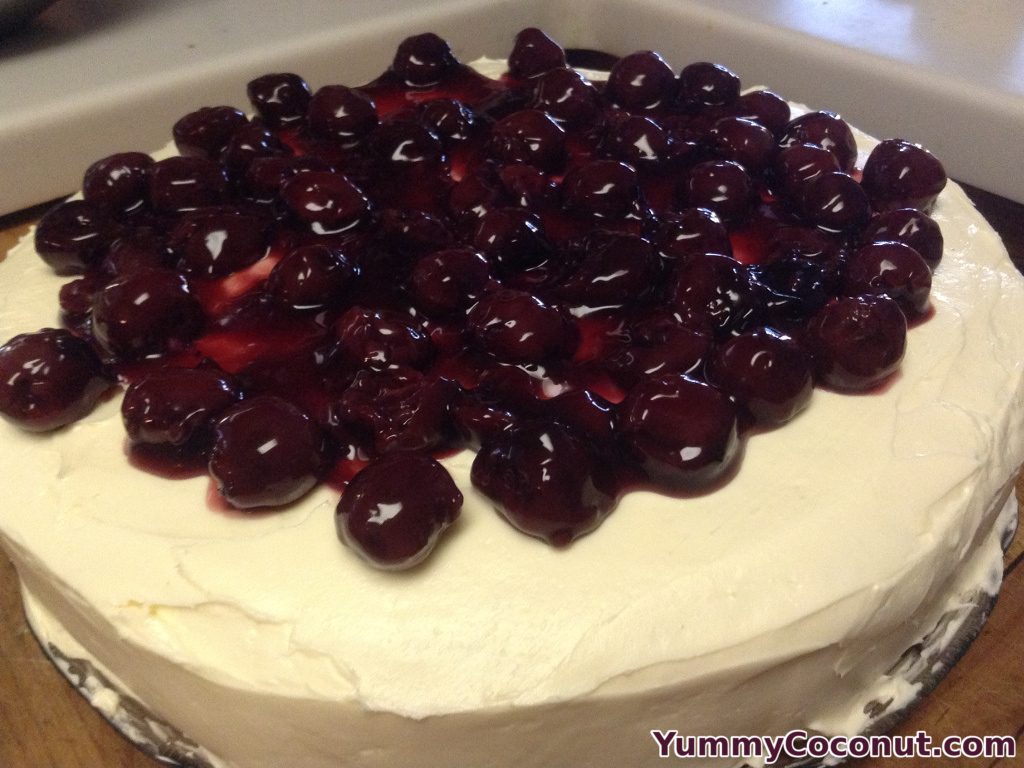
(767, 605)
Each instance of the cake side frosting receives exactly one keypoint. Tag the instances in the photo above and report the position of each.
(757, 592)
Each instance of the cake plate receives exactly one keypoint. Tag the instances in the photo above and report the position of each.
(921, 668)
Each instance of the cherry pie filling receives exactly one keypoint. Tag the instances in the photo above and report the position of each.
(598, 287)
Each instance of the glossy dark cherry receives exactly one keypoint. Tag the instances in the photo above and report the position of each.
(899, 174)
(401, 143)
(215, 243)
(424, 60)
(449, 281)
(640, 81)
(748, 143)
(205, 132)
(280, 98)
(341, 114)
(266, 453)
(722, 186)
(382, 339)
(568, 97)
(49, 379)
(545, 480)
(180, 184)
(692, 230)
(708, 84)
(824, 129)
(616, 269)
(266, 174)
(327, 203)
(175, 407)
(768, 372)
(534, 53)
(857, 342)
(311, 278)
(73, 236)
(140, 249)
(397, 409)
(511, 239)
(764, 107)
(835, 203)
(528, 187)
(248, 144)
(799, 164)
(684, 432)
(453, 122)
(118, 183)
(149, 312)
(394, 511)
(528, 136)
(602, 189)
(910, 227)
(712, 293)
(640, 142)
(659, 344)
(517, 327)
(890, 269)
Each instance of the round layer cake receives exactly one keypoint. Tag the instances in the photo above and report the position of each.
(777, 600)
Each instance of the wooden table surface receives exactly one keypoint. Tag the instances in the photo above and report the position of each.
(44, 723)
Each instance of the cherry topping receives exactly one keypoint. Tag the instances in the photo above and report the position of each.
(534, 53)
(827, 130)
(617, 269)
(216, 243)
(139, 249)
(281, 99)
(857, 342)
(640, 81)
(748, 143)
(402, 143)
(205, 132)
(146, 313)
(764, 107)
(180, 184)
(602, 189)
(835, 202)
(766, 371)
(311, 277)
(910, 227)
(708, 84)
(266, 174)
(395, 509)
(246, 145)
(118, 183)
(511, 240)
(175, 407)
(660, 344)
(449, 281)
(382, 339)
(528, 136)
(266, 453)
(566, 96)
(328, 203)
(545, 480)
(49, 379)
(73, 236)
(397, 409)
(722, 186)
(341, 114)
(639, 141)
(890, 269)
(517, 327)
(899, 174)
(684, 431)
(713, 293)
(453, 122)
(424, 60)
(797, 165)
(692, 230)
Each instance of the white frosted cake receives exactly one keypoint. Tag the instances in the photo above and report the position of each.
(778, 601)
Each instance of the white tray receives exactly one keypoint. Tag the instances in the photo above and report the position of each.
(92, 77)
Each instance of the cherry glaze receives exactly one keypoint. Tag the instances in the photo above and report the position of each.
(598, 286)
